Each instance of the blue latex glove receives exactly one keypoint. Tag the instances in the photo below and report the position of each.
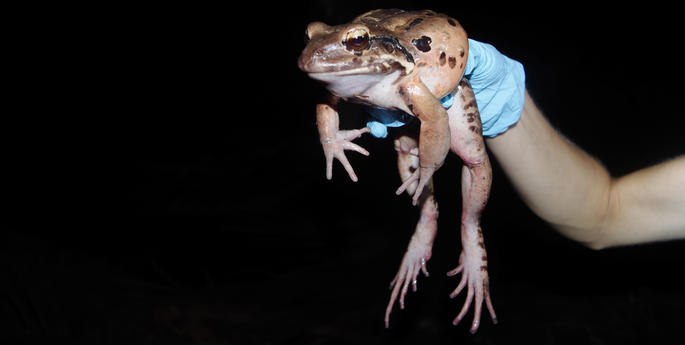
(498, 83)
(381, 118)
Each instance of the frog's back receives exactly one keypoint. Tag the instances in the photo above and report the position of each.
(437, 42)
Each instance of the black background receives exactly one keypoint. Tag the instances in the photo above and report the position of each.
(164, 184)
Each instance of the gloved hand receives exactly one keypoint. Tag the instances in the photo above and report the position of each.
(381, 119)
(498, 83)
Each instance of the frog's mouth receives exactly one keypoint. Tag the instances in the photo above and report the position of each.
(380, 68)
(349, 82)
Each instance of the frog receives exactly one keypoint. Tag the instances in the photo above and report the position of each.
(410, 62)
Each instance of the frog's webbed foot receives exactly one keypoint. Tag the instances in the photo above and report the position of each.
(413, 262)
(474, 277)
(421, 243)
(334, 148)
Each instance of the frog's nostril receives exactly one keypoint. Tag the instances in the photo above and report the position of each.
(306, 37)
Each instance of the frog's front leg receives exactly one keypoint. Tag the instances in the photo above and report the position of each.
(467, 142)
(335, 141)
(434, 136)
(421, 244)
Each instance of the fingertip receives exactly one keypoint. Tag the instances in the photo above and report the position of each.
(474, 327)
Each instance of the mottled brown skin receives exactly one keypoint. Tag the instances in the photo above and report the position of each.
(426, 35)
(409, 60)
(409, 43)
(476, 179)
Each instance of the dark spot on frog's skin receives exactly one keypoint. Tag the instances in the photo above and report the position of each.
(443, 59)
(392, 41)
(411, 107)
(484, 257)
(388, 47)
(470, 117)
(452, 61)
(394, 66)
(470, 104)
(484, 268)
(451, 21)
(461, 52)
(414, 22)
(473, 129)
(423, 44)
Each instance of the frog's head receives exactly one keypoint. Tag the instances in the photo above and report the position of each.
(352, 55)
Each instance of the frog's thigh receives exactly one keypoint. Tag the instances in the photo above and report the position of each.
(465, 127)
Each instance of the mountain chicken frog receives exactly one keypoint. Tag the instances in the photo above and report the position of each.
(410, 62)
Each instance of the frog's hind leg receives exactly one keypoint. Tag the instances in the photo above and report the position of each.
(476, 179)
(420, 246)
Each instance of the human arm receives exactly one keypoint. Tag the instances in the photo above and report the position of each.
(576, 195)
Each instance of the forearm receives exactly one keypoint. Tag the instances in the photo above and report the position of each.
(560, 183)
(577, 196)
(326, 122)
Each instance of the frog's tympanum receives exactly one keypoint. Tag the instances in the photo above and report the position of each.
(409, 61)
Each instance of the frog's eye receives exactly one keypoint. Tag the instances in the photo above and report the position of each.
(357, 40)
